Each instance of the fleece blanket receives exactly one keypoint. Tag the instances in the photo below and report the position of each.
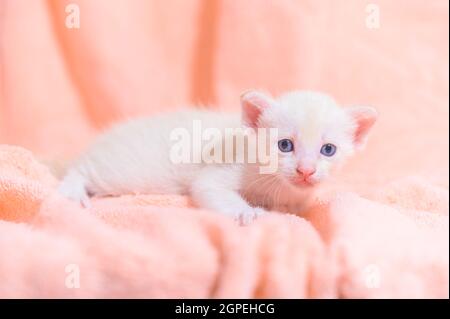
(379, 229)
(158, 246)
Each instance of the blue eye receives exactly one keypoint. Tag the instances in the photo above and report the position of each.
(328, 149)
(285, 145)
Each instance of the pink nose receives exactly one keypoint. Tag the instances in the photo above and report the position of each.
(306, 172)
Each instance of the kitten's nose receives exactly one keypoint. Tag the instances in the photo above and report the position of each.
(306, 172)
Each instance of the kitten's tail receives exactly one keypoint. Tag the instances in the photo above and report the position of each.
(73, 186)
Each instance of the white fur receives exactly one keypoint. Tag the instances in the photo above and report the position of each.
(134, 157)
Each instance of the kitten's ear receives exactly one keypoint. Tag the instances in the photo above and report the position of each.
(364, 117)
(253, 103)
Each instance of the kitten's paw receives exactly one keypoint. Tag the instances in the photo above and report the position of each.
(75, 194)
(246, 217)
(72, 187)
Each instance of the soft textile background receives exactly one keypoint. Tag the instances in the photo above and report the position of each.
(59, 87)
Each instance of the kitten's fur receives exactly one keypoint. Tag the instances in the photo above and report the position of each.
(134, 157)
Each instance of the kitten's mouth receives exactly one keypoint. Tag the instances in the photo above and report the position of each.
(300, 182)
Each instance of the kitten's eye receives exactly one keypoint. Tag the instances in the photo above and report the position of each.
(328, 149)
(285, 145)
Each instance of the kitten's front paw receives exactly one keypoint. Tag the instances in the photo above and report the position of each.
(75, 192)
(246, 217)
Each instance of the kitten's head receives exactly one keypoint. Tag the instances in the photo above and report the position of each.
(314, 133)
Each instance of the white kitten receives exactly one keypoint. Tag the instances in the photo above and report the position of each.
(314, 135)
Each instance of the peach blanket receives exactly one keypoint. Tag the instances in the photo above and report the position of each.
(381, 229)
